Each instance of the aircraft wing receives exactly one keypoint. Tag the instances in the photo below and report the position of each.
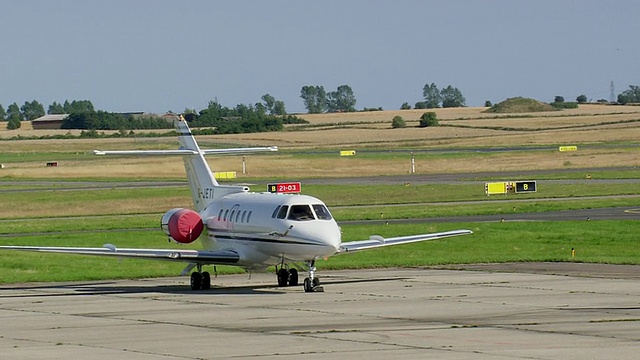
(191, 256)
(376, 241)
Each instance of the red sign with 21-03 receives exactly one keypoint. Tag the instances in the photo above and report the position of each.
(284, 188)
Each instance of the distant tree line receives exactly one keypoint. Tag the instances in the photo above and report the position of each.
(269, 115)
(33, 110)
(318, 101)
(559, 103)
(632, 95)
(261, 117)
(434, 98)
(102, 120)
(76, 106)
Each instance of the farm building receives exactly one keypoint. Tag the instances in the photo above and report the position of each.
(49, 121)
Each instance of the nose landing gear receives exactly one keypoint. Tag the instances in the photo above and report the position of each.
(289, 277)
(312, 283)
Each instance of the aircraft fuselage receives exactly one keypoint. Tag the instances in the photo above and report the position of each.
(266, 229)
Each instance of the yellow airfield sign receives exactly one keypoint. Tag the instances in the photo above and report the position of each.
(505, 187)
(568, 148)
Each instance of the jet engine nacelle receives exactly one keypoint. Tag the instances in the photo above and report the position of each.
(182, 225)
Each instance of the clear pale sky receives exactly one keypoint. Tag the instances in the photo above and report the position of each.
(160, 55)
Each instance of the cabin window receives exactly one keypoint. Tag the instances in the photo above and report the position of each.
(220, 214)
(275, 212)
(301, 213)
(249, 216)
(322, 212)
(282, 213)
(238, 216)
(244, 213)
(225, 214)
(233, 212)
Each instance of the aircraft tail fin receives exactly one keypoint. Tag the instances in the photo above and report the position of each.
(202, 182)
(201, 179)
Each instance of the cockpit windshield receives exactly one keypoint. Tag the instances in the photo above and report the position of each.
(321, 212)
(301, 213)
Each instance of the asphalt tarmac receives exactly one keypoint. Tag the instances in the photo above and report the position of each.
(366, 314)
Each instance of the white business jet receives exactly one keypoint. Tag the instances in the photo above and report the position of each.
(247, 229)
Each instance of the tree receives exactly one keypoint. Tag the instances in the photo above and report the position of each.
(278, 108)
(14, 116)
(55, 108)
(315, 99)
(452, 97)
(632, 95)
(398, 122)
(405, 106)
(275, 107)
(32, 110)
(428, 119)
(558, 99)
(77, 106)
(260, 108)
(341, 100)
(13, 124)
(432, 97)
(269, 102)
(13, 113)
(581, 99)
(420, 105)
(3, 114)
(488, 103)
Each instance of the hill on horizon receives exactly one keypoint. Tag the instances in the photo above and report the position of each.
(520, 105)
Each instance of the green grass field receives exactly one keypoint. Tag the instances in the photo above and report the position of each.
(606, 137)
(103, 221)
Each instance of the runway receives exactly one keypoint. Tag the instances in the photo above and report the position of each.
(364, 314)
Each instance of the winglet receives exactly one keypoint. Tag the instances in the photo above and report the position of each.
(110, 247)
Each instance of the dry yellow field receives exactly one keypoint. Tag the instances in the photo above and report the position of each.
(590, 124)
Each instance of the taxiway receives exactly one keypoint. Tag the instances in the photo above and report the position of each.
(364, 314)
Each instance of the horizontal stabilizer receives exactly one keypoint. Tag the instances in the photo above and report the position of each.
(187, 151)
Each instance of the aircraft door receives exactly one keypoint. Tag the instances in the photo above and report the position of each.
(234, 214)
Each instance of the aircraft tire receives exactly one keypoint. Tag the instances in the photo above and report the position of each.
(293, 277)
(196, 281)
(283, 277)
(307, 285)
(206, 281)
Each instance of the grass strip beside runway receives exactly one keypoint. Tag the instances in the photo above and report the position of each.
(594, 241)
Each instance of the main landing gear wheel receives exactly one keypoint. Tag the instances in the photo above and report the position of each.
(283, 277)
(196, 281)
(293, 277)
(206, 281)
(287, 277)
(200, 280)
